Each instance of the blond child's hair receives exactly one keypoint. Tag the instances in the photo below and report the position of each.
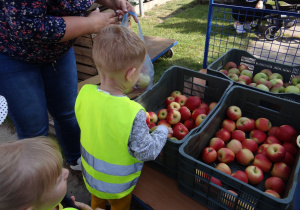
(116, 48)
(28, 168)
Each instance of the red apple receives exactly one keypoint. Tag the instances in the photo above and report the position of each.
(244, 157)
(258, 136)
(147, 117)
(176, 93)
(263, 124)
(204, 106)
(238, 135)
(193, 102)
(250, 144)
(281, 170)
(242, 67)
(291, 148)
(245, 78)
(180, 131)
(153, 117)
(228, 125)
(224, 168)
(212, 105)
(234, 145)
(164, 122)
(216, 143)
(216, 181)
(273, 131)
(209, 155)
(240, 175)
(262, 162)
(262, 149)
(289, 159)
(151, 125)
(223, 134)
(169, 100)
(189, 123)
(197, 112)
(286, 133)
(273, 193)
(244, 124)
(276, 153)
(185, 113)
(276, 184)
(272, 140)
(181, 99)
(252, 125)
(254, 174)
(174, 105)
(229, 65)
(162, 114)
(225, 155)
(234, 112)
(173, 117)
(200, 118)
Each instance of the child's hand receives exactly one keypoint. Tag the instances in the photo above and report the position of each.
(170, 130)
(80, 205)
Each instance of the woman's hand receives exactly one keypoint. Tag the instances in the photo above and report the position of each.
(101, 19)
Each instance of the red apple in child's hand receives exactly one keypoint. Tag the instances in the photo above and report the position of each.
(244, 124)
(234, 145)
(254, 174)
(180, 131)
(216, 143)
(173, 117)
(244, 157)
(189, 124)
(250, 144)
(209, 155)
(281, 170)
(176, 93)
(197, 112)
(262, 162)
(286, 133)
(174, 105)
(234, 112)
(276, 184)
(169, 100)
(273, 193)
(276, 153)
(258, 136)
(185, 113)
(193, 102)
(225, 155)
(224, 168)
(200, 118)
(153, 117)
(238, 135)
(162, 114)
(181, 99)
(223, 134)
(263, 124)
(228, 125)
(240, 175)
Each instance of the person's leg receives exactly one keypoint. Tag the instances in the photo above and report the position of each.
(60, 82)
(97, 202)
(22, 86)
(121, 204)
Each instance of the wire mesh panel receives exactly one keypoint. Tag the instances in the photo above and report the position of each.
(269, 33)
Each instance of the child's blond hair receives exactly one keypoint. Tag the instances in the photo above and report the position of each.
(28, 168)
(116, 48)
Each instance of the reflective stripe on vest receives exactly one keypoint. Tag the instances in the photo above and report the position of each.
(111, 169)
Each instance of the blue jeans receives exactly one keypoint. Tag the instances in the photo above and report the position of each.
(33, 90)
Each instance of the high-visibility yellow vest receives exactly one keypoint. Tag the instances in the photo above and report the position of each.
(105, 121)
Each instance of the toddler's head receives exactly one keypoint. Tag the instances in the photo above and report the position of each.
(31, 174)
(116, 50)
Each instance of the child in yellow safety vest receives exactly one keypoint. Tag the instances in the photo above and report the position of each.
(115, 139)
(32, 176)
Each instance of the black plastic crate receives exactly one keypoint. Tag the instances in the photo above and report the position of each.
(194, 175)
(211, 89)
(255, 65)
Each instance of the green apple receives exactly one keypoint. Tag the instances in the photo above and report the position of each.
(296, 80)
(143, 81)
(276, 76)
(277, 88)
(233, 76)
(292, 89)
(224, 71)
(276, 81)
(252, 84)
(234, 71)
(298, 85)
(262, 87)
(268, 72)
(247, 73)
(258, 76)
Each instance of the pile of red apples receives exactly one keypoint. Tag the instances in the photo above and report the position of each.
(181, 113)
(265, 152)
(265, 79)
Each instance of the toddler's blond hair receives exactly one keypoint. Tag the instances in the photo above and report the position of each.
(116, 48)
(28, 168)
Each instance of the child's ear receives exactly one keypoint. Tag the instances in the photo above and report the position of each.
(129, 73)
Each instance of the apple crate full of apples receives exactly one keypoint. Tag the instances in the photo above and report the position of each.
(177, 99)
(246, 156)
(246, 70)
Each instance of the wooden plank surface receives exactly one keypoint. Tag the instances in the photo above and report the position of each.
(156, 45)
(161, 192)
